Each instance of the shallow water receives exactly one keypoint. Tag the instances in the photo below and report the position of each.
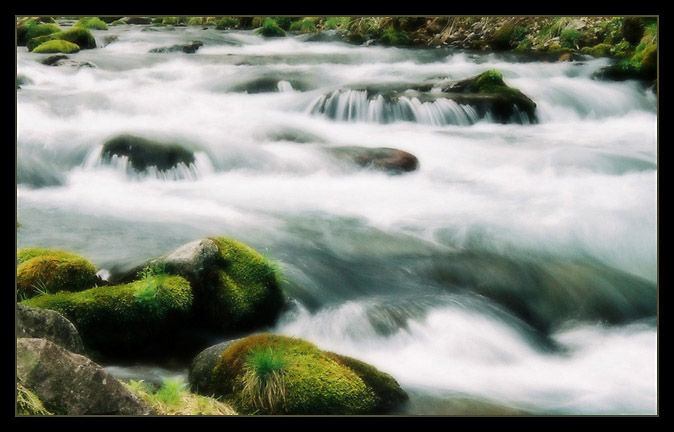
(460, 279)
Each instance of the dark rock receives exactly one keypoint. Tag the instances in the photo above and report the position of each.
(71, 384)
(190, 48)
(200, 372)
(389, 160)
(624, 72)
(632, 29)
(108, 39)
(21, 80)
(144, 153)
(47, 324)
(64, 60)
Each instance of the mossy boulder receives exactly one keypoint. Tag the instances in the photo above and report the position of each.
(189, 48)
(271, 374)
(137, 318)
(56, 46)
(93, 23)
(79, 36)
(50, 271)
(489, 94)
(235, 288)
(33, 27)
(144, 153)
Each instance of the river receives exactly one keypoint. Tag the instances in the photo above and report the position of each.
(515, 271)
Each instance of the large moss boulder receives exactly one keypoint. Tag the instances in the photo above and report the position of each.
(93, 23)
(62, 382)
(79, 36)
(137, 317)
(235, 288)
(56, 46)
(271, 374)
(47, 324)
(41, 271)
(143, 153)
(30, 27)
(489, 94)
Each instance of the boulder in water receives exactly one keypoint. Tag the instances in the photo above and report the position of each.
(272, 374)
(79, 36)
(47, 324)
(71, 384)
(28, 28)
(64, 60)
(389, 160)
(56, 46)
(235, 288)
(144, 153)
(189, 48)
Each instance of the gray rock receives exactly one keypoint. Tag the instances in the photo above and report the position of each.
(71, 384)
(201, 368)
(144, 153)
(47, 324)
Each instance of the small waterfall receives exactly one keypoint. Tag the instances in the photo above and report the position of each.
(359, 106)
(181, 171)
(284, 86)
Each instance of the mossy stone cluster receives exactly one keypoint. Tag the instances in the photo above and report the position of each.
(56, 46)
(49, 271)
(312, 381)
(31, 27)
(93, 23)
(77, 35)
(122, 317)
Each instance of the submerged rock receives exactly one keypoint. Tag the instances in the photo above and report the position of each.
(47, 324)
(190, 48)
(71, 384)
(144, 153)
(389, 160)
(271, 374)
(64, 60)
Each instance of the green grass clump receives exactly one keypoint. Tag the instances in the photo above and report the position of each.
(394, 37)
(227, 23)
(41, 271)
(93, 23)
(56, 46)
(172, 398)
(307, 380)
(336, 23)
(27, 403)
(111, 317)
(270, 28)
(569, 38)
(304, 26)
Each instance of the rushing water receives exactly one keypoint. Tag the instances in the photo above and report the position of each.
(514, 272)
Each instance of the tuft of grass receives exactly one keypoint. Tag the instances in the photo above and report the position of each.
(151, 277)
(263, 379)
(270, 28)
(27, 403)
(172, 398)
(170, 393)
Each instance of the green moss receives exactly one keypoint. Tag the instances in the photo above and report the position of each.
(36, 28)
(118, 22)
(569, 38)
(41, 271)
(56, 46)
(305, 25)
(77, 35)
(244, 287)
(313, 382)
(599, 50)
(336, 23)
(27, 403)
(394, 37)
(173, 399)
(111, 317)
(270, 28)
(226, 23)
(94, 23)
(170, 20)
(387, 391)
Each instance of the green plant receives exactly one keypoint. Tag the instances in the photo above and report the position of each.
(263, 378)
(394, 37)
(91, 23)
(170, 392)
(152, 277)
(569, 38)
(270, 28)
(336, 23)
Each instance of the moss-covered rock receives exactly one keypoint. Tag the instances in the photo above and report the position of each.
(93, 23)
(48, 271)
(271, 374)
(56, 46)
(599, 50)
(79, 36)
(235, 288)
(33, 27)
(135, 317)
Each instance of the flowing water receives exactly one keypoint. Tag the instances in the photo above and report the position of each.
(514, 272)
